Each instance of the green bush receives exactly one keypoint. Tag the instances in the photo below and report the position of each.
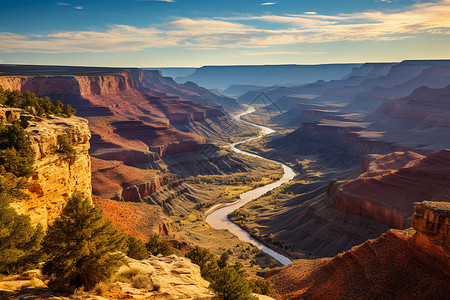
(64, 146)
(20, 242)
(83, 248)
(35, 105)
(205, 260)
(229, 282)
(136, 248)
(156, 246)
(16, 155)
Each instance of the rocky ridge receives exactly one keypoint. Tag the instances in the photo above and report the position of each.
(395, 265)
(57, 174)
(391, 184)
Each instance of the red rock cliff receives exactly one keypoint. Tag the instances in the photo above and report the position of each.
(397, 265)
(431, 220)
(392, 183)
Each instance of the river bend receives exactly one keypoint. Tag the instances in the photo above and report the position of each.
(217, 216)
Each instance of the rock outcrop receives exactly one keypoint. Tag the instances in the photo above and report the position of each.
(157, 277)
(398, 265)
(392, 183)
(431, 220)
(175, 277)
(57, 174)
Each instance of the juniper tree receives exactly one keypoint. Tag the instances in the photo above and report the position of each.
(20, 242)
(82, 247)
(136, 248)
(156, 245)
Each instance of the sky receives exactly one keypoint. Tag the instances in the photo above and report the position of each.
(194, 33)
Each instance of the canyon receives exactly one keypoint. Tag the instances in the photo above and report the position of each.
(369, 146)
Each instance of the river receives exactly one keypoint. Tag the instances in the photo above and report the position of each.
(217, 216)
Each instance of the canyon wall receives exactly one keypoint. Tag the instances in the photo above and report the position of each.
(431, 220)
(392, 183)
(57, 175)
(400, 264)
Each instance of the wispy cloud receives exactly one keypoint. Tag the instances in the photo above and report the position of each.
(248, 53)
(249, 31)
(62, 3)
(79, 7)
(268, 3)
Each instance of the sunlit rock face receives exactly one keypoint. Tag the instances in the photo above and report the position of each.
(57, 174)
(404, 264)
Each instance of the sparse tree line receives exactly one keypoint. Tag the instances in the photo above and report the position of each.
(35, 105)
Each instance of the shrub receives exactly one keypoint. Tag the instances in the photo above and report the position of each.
(156, 246)
(229, 282)
(64, 145)
(259, 286)
(231, 285)
(20, 242)
(205, 260)
(142, 281)
(83, 248)
(136, 248)
(16, 155)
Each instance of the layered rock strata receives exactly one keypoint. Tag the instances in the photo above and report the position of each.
(391, 184)
(404, 264)
(57, 174)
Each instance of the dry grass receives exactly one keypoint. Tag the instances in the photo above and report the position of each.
(142, 281)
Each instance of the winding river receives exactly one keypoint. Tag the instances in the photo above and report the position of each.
(217, 216)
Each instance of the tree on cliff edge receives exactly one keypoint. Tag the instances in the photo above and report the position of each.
(20, 242)
(83, 248)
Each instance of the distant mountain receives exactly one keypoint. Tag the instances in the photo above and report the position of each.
(222, 77)
(173, 72)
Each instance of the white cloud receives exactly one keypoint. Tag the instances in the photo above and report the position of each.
(78, 7)
(62, 4)
(268, 3)
(207, 33)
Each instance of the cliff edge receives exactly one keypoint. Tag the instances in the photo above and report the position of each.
(57, 174)
(400, 264)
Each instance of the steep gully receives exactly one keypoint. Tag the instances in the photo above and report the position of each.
(217, 216)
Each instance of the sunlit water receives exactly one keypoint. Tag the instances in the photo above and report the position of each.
(218, 219)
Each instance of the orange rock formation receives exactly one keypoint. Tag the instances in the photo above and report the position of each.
(398, 265)
(57, 175)
(391, 184)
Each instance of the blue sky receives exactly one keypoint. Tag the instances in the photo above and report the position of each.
(194, 33)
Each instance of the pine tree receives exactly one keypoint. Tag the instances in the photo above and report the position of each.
(83, 248)
(156, 246)
(20, 242)
(136, 248)
(231, 285)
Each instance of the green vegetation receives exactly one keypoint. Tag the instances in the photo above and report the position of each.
(64, 146)
(16, 155)
(229, 282)
(136, 248)
(20, 242)
(156, 246)
(83, 249)
(35, 105)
